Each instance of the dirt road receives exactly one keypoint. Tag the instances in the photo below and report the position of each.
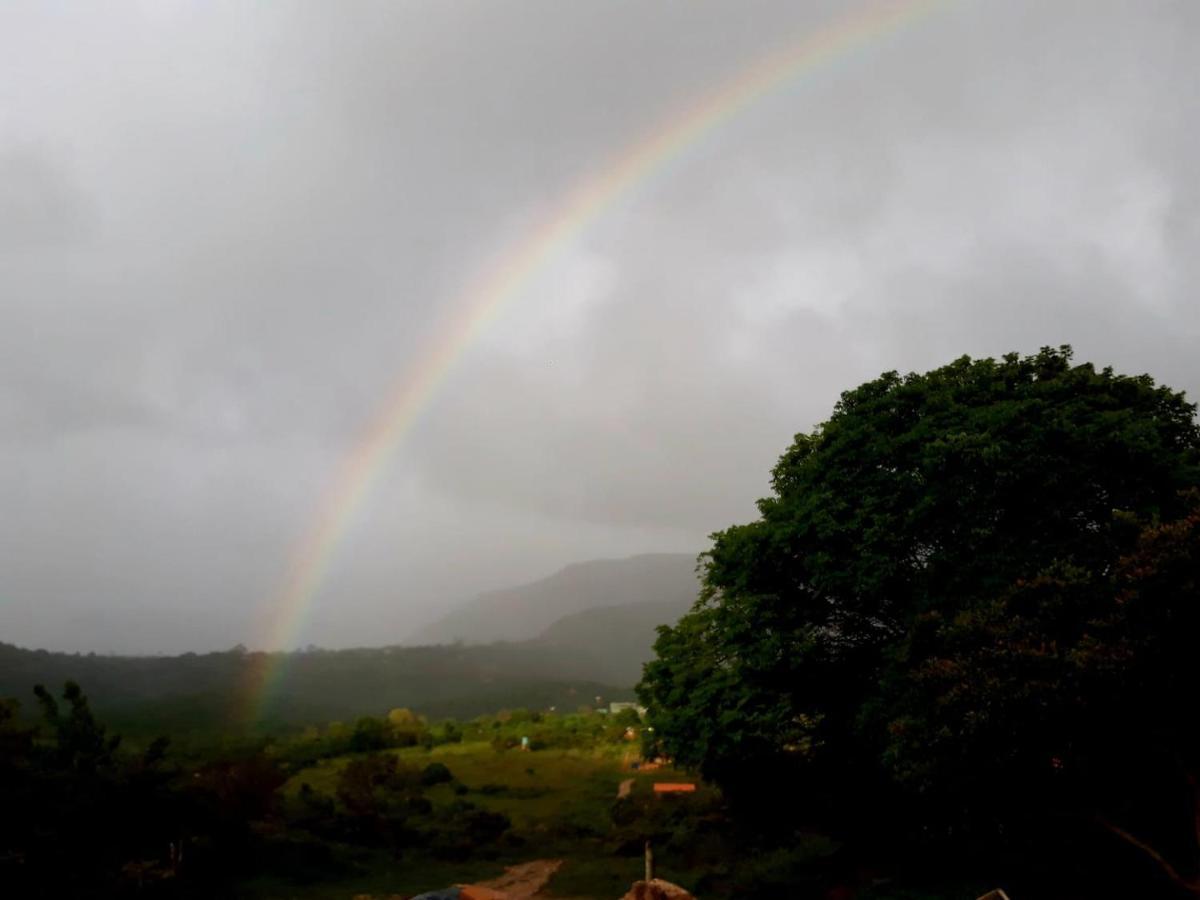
(524, 882)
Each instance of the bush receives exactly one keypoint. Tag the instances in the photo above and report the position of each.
(436, 773)
(371, 785)
(369, 734)
(405, 737)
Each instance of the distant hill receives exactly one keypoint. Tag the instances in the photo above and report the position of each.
(524, 613)
(610, 644)
(198, 692)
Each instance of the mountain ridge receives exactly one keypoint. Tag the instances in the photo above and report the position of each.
(524, 612)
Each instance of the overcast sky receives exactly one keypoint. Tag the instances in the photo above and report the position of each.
(227, 229)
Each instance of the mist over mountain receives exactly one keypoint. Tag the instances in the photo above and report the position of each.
(524, 613)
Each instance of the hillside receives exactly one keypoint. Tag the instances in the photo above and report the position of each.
(611, 643)
(196, 692)
(525, 612)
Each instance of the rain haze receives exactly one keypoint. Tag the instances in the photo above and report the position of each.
(228, 231)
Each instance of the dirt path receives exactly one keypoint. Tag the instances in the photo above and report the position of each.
(624, 788)
(525, 881)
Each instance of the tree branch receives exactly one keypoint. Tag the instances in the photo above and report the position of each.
(1192, 886)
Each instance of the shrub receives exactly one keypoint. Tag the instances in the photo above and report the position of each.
(436, 773)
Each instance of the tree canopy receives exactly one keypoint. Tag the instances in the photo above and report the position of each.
(967, 586)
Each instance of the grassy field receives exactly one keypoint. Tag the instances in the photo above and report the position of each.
(559, 802)
(538, 790)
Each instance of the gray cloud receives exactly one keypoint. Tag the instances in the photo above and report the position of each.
(226, 232)
(40, 205)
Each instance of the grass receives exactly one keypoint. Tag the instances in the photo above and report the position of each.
(541, 791)
(559, 802)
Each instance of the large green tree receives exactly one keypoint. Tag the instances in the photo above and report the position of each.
(929, 601)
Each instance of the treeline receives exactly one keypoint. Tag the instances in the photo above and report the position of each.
(202, 694)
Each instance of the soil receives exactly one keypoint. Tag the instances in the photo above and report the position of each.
(525, 881)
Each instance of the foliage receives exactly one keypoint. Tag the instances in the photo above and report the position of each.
(373, 785)
(80, 741)
(79, 817)
(436, 773)
(1067, 686)
(932, 614)
(195, 697)
(369, 734)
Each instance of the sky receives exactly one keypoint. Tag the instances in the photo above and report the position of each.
(227, 231)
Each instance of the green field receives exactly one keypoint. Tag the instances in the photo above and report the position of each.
(559, 802)
(541, 788)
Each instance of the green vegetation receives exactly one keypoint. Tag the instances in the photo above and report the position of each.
(969, 607)
(391, 804)
(195, 697)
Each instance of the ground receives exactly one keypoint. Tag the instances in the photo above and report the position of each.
(559, 802)
(525, 881)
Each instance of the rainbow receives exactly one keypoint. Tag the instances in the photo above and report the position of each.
(485, 298)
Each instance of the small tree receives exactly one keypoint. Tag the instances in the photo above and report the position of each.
(81, 742)
(370, 734)
(436, 773)
(377, 786)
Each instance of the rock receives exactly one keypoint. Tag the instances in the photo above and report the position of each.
(657, 890)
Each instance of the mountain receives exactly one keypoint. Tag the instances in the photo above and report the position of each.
(609, 644)
(524, 613)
